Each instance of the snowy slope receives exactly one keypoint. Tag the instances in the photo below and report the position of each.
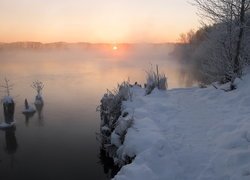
(189, 134)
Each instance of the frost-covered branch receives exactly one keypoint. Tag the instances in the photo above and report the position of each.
(219, 51)
(7, 87)
(38, 86)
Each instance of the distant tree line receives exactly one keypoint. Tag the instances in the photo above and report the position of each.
(220, 49)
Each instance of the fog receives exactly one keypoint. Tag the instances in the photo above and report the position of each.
(101, 64)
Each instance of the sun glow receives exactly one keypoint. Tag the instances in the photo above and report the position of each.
(115, 48)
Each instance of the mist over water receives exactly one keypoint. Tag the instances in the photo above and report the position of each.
(129, 62)
(59, 141)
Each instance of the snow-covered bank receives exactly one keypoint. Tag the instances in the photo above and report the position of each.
(187, 134)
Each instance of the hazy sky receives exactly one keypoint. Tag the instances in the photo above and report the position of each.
(95, 20)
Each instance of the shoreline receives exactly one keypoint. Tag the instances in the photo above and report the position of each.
(186, 133)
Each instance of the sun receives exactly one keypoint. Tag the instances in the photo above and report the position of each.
(115, 48)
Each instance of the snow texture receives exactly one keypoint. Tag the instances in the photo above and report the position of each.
(188, 134)
(38, 100)
(29, 110)
(7, 100)
(5, 125)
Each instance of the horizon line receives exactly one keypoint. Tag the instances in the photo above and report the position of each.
(86, 42)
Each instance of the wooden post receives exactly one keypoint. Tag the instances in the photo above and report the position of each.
(26, 104)
(9, 109)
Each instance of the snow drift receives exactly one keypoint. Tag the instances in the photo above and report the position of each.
(186, 134)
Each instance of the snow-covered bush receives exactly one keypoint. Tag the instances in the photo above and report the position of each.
(155, 79)
(111, 104)
(114, 123)
(38, 86)
(110, 109)
(117, 138)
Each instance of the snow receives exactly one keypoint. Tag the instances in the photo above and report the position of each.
(38, 100)
(29, 110)
(105, 128)
(7, 99)
(115, 139)
(188, 134)
(5, 125)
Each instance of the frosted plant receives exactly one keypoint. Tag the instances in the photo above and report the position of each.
(110, 110)
(112, 100)
(38, 86)
(7, 87)
(233, 15)
(155, 79)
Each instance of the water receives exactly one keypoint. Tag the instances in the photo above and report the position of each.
(59, 142)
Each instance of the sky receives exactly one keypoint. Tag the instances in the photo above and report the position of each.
(110, 21)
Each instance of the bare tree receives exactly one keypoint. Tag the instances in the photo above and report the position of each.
(242, 7)
(7, 87)
(187, 37)
(38, 86)
(230, 13)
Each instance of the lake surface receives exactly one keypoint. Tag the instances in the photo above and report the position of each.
(59, 142)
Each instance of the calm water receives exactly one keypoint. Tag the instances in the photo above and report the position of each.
(59, 142)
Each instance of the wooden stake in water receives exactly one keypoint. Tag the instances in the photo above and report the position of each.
(8, 103)
(9, 109)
